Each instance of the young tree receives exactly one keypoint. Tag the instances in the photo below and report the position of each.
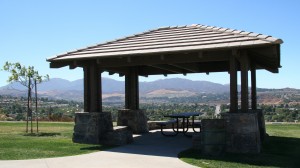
(27, 77)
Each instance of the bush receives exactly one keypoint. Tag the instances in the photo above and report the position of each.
(2, 117)
(10, 119)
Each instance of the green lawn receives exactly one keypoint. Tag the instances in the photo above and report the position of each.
(281, 149)
(54, 140)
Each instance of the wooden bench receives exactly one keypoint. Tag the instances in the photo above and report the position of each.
(163, 124)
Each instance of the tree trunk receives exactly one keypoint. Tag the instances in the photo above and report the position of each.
(30, 105)
(36, 109)
(28, 108)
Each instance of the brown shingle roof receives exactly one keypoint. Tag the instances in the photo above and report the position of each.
(172, 39)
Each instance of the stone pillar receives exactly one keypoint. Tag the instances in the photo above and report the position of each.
(242, 132)
(136, 120)
(91, 127)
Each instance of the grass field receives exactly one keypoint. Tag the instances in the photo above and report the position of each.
(54, 140)
(281, 149)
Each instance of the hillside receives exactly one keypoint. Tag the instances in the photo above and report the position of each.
(113, 90)
(63, 89)
(114, 86)
(170, 93)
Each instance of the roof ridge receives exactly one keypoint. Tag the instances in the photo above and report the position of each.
(264, 37)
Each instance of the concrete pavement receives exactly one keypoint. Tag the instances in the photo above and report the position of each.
(149, 150)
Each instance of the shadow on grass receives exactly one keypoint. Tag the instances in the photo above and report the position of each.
(276, 152)
(42, 134)
(97, 148)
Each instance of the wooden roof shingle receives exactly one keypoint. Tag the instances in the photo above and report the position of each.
(171, 39)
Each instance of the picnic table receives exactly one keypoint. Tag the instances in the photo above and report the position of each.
(184, 119)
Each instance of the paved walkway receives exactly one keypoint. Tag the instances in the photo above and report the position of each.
(150, 150)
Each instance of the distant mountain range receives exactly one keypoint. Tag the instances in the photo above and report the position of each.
(113, 90)
(63, 89)
(114, 86)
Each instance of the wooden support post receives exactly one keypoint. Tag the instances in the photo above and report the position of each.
(244, 82)
(86, 89)
(132, 89)
(253, 88)
(233, 85)
(92, 89)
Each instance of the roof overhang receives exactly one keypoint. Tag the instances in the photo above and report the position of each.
(177, 50)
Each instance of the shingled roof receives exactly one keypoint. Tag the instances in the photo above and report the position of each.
(172, 39)
(190, 41)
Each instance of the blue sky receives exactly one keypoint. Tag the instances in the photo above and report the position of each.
(31, 31)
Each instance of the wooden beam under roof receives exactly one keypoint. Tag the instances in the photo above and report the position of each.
(217, 66)
(194, 68)
(120, 70)
(59, 64)
(73, 65)
(270, 51)
(148, 70)
(269, 55)
(203, 68)
(264, 62)
(169, 58)
(169, 68)
(266, 67)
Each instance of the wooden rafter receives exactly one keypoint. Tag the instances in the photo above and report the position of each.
(170, 58)
(59, 64)
(194, 68)
(169, 68)
(120, 70)
(266, 67)
(148, 70)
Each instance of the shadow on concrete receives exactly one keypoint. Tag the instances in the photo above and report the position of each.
(155, 144)
(276, 152)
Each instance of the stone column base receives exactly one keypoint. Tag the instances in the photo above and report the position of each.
(261, 123)
(242, 132)
(91, 127)
(213, 137)
(121, 135)
(136, 120)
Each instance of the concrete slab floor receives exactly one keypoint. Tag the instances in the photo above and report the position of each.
(147, 150)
